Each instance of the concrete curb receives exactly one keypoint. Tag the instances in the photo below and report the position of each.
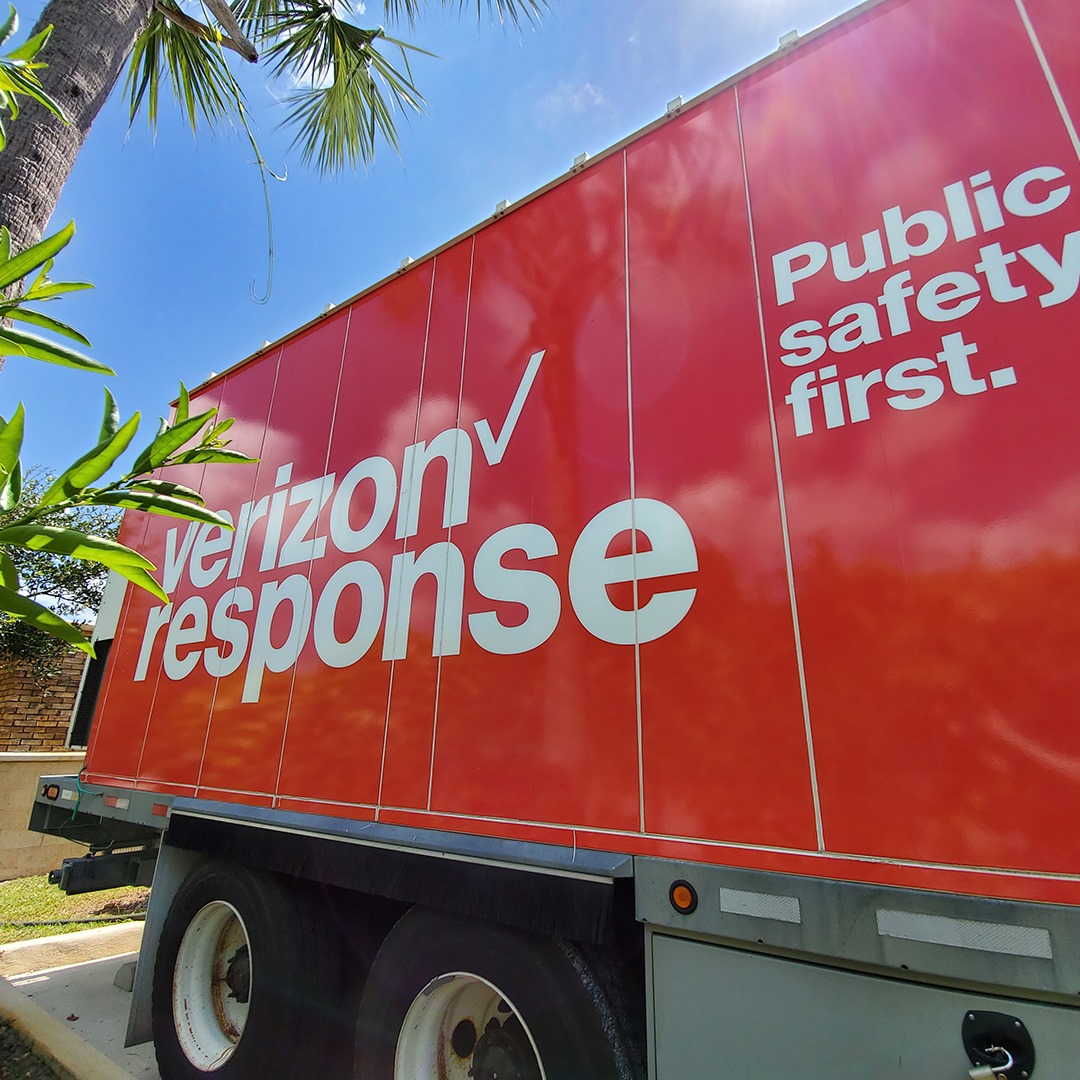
(40, 954)
(72, 1057)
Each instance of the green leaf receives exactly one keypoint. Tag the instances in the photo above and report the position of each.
(79, 545)
(46, 322)
(19, 343)
(30, 611)
(42, 277)
(110, 423)
(158, 504)
(95, 463)
(55, 288)
(10, 25)
(11, 492)
(9, 572)
(32, 46)
(5, 244)
(210, 455)
(11, 437)
(15, 269)
(28, 85)
(215, 433)
(183, 405)
(167, 487)
(168, 441)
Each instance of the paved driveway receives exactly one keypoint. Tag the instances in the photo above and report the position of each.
(85, 999)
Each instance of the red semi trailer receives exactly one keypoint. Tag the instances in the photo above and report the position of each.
(648, 640)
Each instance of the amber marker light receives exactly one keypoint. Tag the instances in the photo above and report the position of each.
(683, 897)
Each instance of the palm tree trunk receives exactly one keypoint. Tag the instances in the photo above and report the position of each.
(90, 42)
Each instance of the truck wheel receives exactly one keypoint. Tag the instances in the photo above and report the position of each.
(242, 978)
(450, 997)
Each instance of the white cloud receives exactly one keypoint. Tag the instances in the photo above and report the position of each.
(569, 99)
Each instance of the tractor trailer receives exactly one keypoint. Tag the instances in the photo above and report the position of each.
(647, 643)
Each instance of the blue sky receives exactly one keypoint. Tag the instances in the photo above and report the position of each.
(172, 230)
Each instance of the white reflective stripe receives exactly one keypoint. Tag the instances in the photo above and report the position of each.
(966, 933)
(761, 905)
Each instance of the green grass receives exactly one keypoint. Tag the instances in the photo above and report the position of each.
(32, 908)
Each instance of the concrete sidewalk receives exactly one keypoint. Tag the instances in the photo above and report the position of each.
(20, 957)
(60, 993)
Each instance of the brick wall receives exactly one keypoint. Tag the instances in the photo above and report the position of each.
(34, 718)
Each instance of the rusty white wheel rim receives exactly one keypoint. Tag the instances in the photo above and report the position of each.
(207, 1013)
(445, 1023)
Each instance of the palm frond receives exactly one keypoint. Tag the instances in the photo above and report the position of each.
(403, 11)
(502, 11)
(355, 91)
(354, 84)
(257, 16)
(195, 68)
(339, 124)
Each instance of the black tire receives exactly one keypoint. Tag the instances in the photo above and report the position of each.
(557, 1002)
(292, 980)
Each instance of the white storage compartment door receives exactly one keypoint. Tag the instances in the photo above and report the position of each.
(720, 1012)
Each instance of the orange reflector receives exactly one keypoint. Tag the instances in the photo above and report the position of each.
(160, 809)
(51, 791)
(683, 897)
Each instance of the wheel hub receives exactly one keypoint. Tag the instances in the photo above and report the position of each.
(504, 1053)
(238, 975)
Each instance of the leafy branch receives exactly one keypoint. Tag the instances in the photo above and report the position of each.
(14, 268)
(17, 73)
(186, 440)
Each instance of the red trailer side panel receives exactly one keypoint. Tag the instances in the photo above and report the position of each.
(929, 476)
(720, 502)
(334, 744)
(725, 742)
(546, 729)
